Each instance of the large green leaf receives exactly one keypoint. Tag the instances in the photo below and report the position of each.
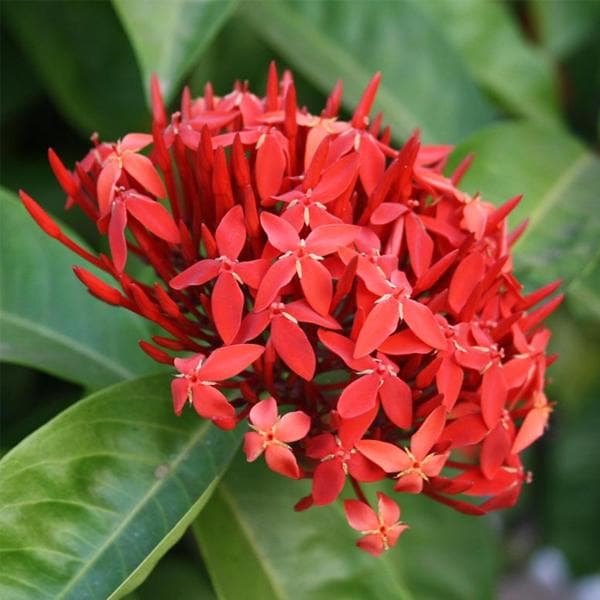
(560, 180)
(570, 516)
(92, 500)
(424, 82)
(249, 528)
(173, 578)
(82, 57)
(510, 68)
(561, 26)
(168, 37)
(49, 321)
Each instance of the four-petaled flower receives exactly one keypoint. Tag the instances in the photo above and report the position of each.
(411, 466)
(272, 434)
(380, 531)
(199, 376)
(302, 257)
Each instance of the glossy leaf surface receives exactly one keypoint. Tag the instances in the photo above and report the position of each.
(327, 41)
(510, 68)
(559, 179)
(49, 321)
(248, 528)
(168, 37)
(55, 37)
(92, 500)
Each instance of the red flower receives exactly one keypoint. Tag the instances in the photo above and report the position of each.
(302, 257)
(124, 157)
(199, 376)
(380, 531)
(412, 466)
(272, 434)
(148, 212)
(381, 297)
(227, 299)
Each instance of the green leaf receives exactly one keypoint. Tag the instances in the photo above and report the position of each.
(446, 554)
(49, 321)
(510, 69)
(559, 179)
(82, 57)
(92, 500)
(424, 81)
(168, 37)
(564, 25)
(249, 528)
(175, 577)
(570, 516)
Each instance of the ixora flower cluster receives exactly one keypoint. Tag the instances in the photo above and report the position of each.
(339, 293)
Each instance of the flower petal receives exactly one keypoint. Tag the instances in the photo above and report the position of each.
(494, 450)
(328, 481)
(270, 168)
(154, 216)
(227, 305)
(198, 274)
(293, 347)
(302, 312)
(360, 516)
(336, 179)
(282, 460)
(134, 142)
(388, 510)
(387, 212)
(142, 170)
(429, 433)
(372, 163)
(344, 348)
(372, 543)
(105, 186)
(317, 285)
(420, 245)
(293, 426)
(396, 399)
(229, 361)
(210, 403)
(449, 380)
(231, 233)
(279, 274)
(179, 391)
(388, 456)
(321, 446)
(279, 232)
(326, 239)
(493, 395)
(531, 429)
(116, 235)
(251, 272)
(359, 396)
(404, 343)
(253, 445)
(263, 415)
(380, 323)
(467, 275)
(421, 321)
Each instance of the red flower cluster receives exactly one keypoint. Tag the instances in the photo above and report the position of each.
(306, 259)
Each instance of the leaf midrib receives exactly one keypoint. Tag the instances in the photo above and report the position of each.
(228, 498)
(555, 192)
(87, 352)
(204, 428)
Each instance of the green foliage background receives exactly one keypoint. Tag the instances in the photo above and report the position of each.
(96, 494)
